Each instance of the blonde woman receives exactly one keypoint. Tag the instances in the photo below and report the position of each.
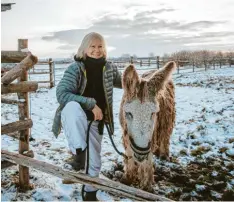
(85, 94)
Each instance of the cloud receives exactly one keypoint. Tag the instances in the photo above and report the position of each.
(144, 30)
(200, 24)
(66, 47)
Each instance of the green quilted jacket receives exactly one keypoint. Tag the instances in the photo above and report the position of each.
(72, 86)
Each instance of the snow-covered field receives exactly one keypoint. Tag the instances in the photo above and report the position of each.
(202, 144)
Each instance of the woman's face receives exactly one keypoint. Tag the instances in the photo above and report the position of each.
(96, 49)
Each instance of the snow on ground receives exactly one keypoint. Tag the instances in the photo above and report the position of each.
(204, 129)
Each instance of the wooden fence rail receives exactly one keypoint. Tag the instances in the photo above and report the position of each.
(160, 61)
(50, 72)
(74, 177)
(26, 64)
(16, 72)
(16, 126)
(22, 87)
(12, 56)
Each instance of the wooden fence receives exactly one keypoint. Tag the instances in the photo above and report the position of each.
(76, 177)
(181, 64)
(45, 71)
(22, 87)
(37, 70)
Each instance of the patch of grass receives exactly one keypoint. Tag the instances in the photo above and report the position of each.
(230, 166)
(184, 152)
(200, 150)
(200, 127)
(223, 149)
(231, 140)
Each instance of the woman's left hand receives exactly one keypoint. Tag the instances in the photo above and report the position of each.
(97, 113)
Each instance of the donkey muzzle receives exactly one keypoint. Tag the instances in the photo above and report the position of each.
(140, 153)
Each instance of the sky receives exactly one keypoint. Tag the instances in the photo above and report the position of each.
(55, 28)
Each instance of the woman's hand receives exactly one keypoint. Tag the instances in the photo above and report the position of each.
(97, 113)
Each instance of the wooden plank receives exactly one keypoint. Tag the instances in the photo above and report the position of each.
(12, 56)
(76, 177)
(26, 86)
(16, 126)
(9, 101)
(39, 72)
(43, 81)
(15, 72)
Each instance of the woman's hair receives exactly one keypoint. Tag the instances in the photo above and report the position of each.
(87, 40)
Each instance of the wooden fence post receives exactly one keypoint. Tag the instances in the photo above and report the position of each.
(157, 61)
(131, 60)
(178, 66)
(51, 73)
(22, 44)
(23, 115)
(54, 72)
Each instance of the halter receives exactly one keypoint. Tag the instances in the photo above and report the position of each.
(139, 150)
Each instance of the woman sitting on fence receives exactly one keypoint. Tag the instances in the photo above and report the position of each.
(85, 94)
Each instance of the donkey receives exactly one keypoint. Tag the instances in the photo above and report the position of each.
(147, 118)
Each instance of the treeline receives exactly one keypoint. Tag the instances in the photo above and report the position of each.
(204, 57)
(197, 58)
(200, 55)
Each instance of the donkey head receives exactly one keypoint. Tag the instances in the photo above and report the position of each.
(140, 107)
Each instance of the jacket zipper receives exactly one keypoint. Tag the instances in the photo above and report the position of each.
(84, 71)
(108, 109)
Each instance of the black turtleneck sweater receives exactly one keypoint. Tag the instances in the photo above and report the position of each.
(94, 87)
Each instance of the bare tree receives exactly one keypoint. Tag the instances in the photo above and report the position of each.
(220, 58)
(230, 57)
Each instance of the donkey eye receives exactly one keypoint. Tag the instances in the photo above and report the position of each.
(128, 115)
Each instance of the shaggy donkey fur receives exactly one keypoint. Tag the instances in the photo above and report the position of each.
(147, 117)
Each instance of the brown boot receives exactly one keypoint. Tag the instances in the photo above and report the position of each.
(78, 162)
(90, 196)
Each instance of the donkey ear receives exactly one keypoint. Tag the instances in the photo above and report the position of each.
(130, 81)
(160, 78)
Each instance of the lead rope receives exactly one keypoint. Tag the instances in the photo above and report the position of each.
(112, 142)
(87, 154)
(87, 157)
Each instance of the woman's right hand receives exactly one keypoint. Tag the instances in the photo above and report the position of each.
(97, 113)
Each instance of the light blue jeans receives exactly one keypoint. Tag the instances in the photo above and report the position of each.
(75, 125)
